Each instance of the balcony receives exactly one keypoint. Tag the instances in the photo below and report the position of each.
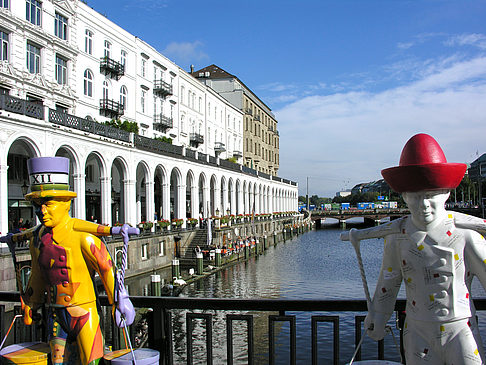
(237, 154)
(219, 147)
(162, 88)
(248, 111)
(162, 123)
(196, 139)
(256, 117)
(110, 108)
(111, 68)
(20, 106)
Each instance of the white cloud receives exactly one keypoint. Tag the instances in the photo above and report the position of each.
(185, 52)
(353, 135)
(475, 39)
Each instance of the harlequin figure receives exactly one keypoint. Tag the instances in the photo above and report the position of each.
(434, 258)
(64, 262)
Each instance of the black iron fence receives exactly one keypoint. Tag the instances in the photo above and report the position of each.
(163, 336)
(20, 106)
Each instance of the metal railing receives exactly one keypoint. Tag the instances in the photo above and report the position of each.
(219, 147)
(196, 138)
(161, 333)
(111, 107)
(111, 67)
(162, 88)
(20, 106)
(156, 146)
(161, 122)
(86, 125)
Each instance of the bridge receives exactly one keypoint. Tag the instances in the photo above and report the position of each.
(370, 216)
(373, 216)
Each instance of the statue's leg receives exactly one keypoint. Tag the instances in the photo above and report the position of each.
(462, 347)
(419, 345)
(61, 350)
(88, 333)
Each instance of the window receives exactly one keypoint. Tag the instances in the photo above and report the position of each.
(107, 51)
(144, 65)
(142, 100)
(88, 83)
(33, 11)
(144, 252)
(4, 4)
(3, 46)
(88, 41)
(182, 94)
(61, 26)
(105, 90)
(33, 58)
(61, 70)
(161, 248)
(123, 97)
(123, 58)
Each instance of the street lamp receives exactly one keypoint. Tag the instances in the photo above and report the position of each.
(217, 212)
(24, 188)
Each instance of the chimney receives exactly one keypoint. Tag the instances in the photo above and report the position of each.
(192, 68)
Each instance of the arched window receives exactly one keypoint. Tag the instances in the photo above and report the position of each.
(107, 51)
(106, 90)
(123, 96)
(88, 83)
(182, 94)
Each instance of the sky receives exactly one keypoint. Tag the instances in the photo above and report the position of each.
(349, 81)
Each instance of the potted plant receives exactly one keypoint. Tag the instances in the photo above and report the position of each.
(191, 222)
(163, 224)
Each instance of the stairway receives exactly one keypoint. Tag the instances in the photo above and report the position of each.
(199, 239)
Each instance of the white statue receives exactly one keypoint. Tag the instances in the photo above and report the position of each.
(436, 253)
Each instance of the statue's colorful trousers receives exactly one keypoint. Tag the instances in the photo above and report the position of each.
(74, 330)
(443, 343)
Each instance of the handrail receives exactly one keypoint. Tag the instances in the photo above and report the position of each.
(161, 332)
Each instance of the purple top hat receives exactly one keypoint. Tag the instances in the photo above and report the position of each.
(49, 178)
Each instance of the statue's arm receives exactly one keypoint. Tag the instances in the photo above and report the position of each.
(97, 256)
(475, 255)
(387, 288)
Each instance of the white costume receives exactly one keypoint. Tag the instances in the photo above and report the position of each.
(436, 260)
(437, 267)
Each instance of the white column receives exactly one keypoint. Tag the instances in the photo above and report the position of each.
(128, 203)
(105, 200)
(181, 202)
(166, 201)
(217, 200)
(80, 188)
(206, 201)
(194, 201)
(4, 201)
(150, 201)
(233, 200)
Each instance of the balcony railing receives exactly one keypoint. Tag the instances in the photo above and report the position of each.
(196, 138)
(162, 88)
(248, 111)
(156, 146)
(71, 121)
(111, 108)
(237, 154)
(20, 106)
(112, 68)
(256, 117)
(162, 123)
(223, 314)
(219, 147)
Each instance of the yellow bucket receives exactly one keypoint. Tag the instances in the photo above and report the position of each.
(32, 353)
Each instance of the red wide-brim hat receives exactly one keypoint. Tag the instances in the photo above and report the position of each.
(423, 166)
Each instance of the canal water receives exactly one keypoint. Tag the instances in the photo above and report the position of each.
(315, 265)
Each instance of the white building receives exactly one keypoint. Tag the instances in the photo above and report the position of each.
(65, 69)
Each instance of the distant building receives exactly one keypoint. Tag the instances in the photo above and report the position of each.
(260, 134)
(343, 194)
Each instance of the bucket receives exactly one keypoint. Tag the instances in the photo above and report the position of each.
(32, 353)
(124, 357)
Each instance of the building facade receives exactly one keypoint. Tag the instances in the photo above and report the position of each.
(65, 70)
(260, 133)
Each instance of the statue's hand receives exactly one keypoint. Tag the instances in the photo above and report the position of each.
(124, 312)
(375, 324)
